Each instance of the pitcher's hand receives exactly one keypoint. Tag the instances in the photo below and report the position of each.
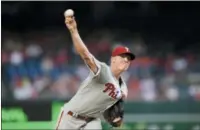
(70, 22)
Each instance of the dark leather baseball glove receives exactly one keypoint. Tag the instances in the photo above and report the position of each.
(114, 114)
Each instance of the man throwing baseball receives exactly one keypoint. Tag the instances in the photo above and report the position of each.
(103, 88)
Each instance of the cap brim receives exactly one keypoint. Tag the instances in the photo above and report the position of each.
(131, 55)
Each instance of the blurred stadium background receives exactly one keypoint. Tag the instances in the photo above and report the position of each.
(41, 71)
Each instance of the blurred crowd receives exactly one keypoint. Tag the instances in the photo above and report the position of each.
(44, 65)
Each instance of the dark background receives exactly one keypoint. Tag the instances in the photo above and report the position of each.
(177, 21)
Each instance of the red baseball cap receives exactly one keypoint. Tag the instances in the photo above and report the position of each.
(122, 50)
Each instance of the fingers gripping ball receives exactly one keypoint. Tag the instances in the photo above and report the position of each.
(70, 21)
(114, 115)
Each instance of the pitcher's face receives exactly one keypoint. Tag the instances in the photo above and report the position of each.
(122, 62)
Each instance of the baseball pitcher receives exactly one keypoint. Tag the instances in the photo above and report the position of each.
(101, 93)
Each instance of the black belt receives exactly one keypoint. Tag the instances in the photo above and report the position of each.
(87, 119)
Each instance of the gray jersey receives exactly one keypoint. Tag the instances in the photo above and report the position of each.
(97, 93)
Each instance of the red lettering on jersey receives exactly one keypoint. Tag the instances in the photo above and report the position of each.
(112, 94)
(111, 88)
(115, 96)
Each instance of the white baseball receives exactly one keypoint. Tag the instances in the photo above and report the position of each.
(69, 12)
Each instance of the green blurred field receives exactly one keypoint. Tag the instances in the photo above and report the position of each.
(138, 116)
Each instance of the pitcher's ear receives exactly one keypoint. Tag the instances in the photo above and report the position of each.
(113, 59)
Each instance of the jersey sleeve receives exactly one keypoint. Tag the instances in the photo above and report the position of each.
(98, 64)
